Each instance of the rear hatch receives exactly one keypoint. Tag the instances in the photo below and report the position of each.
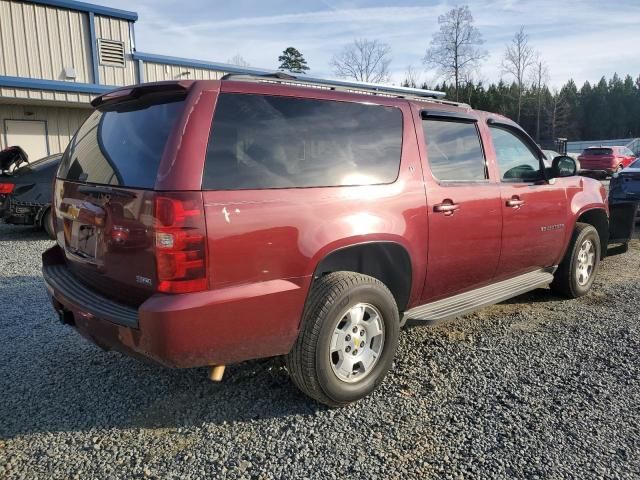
(108, 216)
(597, 158)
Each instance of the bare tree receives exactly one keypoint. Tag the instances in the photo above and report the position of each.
(540, 77)
(238, 60)
(411, 77)
(363, 60)
(519, 57)
(455, 49)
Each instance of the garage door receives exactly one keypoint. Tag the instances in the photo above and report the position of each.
(30, 135)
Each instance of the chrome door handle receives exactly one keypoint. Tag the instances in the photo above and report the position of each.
(515, 203)
(446, 208)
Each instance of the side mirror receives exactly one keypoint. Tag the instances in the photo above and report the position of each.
(563, 166)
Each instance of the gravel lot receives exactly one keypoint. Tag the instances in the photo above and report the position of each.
(533, 388)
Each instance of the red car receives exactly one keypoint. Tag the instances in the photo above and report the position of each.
(202, 223)
(609, 159)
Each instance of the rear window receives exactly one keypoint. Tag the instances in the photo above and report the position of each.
(262, 142)
(122, 146)
(598, 151)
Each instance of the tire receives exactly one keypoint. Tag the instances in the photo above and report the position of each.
(567, 281)
(47, 224)
(316, 366)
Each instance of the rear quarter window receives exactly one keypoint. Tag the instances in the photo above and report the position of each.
(122, 146)
(263, 142)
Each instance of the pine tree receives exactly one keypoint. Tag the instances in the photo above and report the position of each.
(292, 61)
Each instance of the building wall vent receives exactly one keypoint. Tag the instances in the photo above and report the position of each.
(111, 52)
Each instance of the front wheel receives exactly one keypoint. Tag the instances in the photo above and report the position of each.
(347, 341)
(578, 269)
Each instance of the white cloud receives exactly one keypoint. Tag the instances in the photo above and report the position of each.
(579, 39)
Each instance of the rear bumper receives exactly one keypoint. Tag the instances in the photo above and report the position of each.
(215, 327)
(20, 213)
(603, 166)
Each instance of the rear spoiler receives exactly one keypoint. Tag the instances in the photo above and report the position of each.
(136, 92)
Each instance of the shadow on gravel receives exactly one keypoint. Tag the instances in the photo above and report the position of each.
(541, 295)
(14, 233)
(52, 380)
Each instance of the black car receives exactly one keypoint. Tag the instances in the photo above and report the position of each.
(624, 198)
(26, 188)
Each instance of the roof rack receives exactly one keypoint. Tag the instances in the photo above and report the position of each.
(345, 86)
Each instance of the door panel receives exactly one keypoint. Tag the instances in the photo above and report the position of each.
(534, 211)
(464, 245)
(30, 135)
(533, 231)
(465, 217)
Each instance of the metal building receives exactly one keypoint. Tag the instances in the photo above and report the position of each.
(56, 55)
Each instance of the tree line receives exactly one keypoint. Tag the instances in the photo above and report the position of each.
(605, 110)
(609, 109)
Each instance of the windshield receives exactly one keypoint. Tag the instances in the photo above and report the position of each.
(122, 146)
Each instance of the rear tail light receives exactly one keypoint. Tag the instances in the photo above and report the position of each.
(6, 188)
(180, 242)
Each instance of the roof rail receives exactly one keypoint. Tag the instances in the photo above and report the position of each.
(345, 86)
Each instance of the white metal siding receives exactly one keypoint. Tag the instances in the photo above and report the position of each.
(62, 123)
(116, 29)
(156, 72)
(38, 41)
(15, 94)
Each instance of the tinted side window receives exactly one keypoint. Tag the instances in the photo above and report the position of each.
(454, 150)
(121, 146)
(279, 142)
(515, 159)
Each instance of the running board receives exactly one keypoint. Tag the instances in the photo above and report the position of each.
(470, 301)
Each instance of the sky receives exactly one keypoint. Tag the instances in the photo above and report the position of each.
(583, 40)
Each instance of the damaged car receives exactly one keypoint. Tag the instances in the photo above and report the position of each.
(26, 188)
(624, 202)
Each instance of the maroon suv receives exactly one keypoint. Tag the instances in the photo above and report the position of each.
(609, 159)
(210, 222)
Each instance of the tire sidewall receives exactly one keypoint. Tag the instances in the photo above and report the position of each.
(47, 223)
(333, 387)
(587, 234)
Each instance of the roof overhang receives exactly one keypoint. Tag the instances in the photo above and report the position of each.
(89, 7)
(54, 85)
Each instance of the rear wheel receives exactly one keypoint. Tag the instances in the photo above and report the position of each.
(47, 224)
(578, 269)
(347, 340)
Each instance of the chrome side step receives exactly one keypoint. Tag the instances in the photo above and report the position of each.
(470, 301)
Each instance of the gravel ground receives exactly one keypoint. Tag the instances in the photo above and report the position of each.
(533, 388)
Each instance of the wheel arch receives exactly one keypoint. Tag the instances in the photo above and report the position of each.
(598, 218)
(387, 261)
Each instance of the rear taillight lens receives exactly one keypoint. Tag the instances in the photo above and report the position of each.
(180, 242)
(6, 188)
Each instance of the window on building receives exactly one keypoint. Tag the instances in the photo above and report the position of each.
(260, 142)
(454, 150)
